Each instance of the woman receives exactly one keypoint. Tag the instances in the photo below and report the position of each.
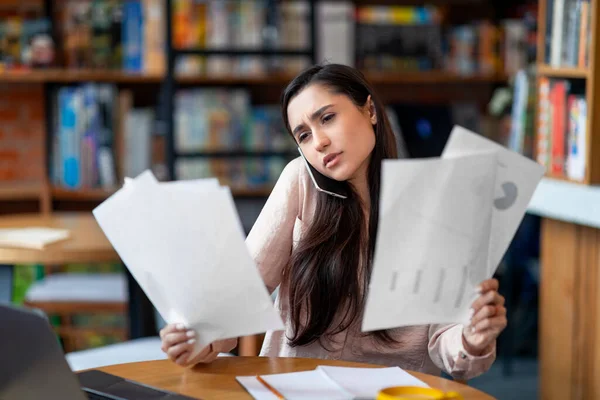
(318, 249)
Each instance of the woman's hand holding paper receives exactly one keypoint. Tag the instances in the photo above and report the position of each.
(178, 343)
(488, 319)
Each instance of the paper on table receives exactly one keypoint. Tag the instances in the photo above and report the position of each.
(432, 240)
(305, 385)
(366, 383)
(329, 383)
(256, 389)
(186, 250)
(517, 178)
(32, 238)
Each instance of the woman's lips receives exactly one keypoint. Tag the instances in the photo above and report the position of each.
(331, 160)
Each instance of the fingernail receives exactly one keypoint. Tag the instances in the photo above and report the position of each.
(471, 313)
(191, 341)
(478, 289)
(190, 333)
(180, 326)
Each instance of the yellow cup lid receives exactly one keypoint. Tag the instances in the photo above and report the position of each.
(416, 393)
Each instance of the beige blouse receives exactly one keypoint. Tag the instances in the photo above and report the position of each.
(425, 348)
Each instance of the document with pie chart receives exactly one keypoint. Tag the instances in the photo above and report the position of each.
(516, 179)
(444, 225)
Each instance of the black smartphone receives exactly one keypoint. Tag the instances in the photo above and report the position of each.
(323, 183)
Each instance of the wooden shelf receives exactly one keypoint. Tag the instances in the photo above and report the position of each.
(20, 190)
(275, 79)
(59, 193)
(562, 72)
(432, 77)
(76, 76)
(76, 332)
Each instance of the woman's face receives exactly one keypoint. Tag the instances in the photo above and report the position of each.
(335, 135)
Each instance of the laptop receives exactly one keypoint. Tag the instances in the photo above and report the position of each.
(33, 366)
(424, 128)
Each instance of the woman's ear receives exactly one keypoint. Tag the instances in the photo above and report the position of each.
(372, 112)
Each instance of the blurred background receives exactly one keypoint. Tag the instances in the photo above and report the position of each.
(93, 91)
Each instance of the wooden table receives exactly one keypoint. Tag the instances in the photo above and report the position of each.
(86, 244)
(217, 379)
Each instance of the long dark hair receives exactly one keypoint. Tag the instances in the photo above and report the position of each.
(323, 277)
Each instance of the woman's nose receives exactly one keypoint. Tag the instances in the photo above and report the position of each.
(321, 141)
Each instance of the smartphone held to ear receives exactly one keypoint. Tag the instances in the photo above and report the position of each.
(323, 183)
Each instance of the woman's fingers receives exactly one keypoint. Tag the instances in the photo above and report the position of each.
(206, 355)
(183, 358)
(175, 338)
(487, 285)
(174, 352)
(487, 311)
(494, 324)
(171, 328)
(491, 297)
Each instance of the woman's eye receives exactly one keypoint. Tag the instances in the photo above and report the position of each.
(302, 137)
(328, 117)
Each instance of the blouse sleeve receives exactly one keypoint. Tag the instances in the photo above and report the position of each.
(448, 353)
(270, 239)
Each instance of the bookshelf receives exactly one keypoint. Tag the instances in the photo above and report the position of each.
(20, 191)
(433, 77)
(427, 86)
(95, 194)
(69, 76)
(562, 70)
(570, 241)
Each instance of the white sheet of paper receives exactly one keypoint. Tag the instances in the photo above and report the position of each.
(32, 237)
(305, 385)
(256, 389)
(517, 178)
(432, 241)
(366, 383)
(186, 250)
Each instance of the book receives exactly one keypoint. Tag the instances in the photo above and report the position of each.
(32, 237)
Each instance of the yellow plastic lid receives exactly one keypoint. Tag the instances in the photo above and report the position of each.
(416, 393)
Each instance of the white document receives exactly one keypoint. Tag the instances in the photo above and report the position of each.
(326, 382)
(366, 383)
(186, 250)
(306, 385)
(32, 238)
(432, 241)
(516, 179)
(444, 226)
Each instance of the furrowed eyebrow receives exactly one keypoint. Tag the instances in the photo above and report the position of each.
(314, 116)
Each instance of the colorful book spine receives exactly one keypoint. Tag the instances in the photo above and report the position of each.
(70, 106)
(559, 126)
(133, 36)
(544, 127)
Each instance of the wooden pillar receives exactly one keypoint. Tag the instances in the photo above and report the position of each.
(569, 311)
(249, 346)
